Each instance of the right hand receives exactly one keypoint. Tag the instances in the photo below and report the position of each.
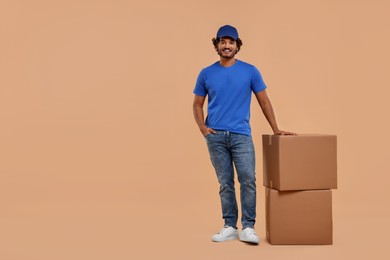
(206, 131)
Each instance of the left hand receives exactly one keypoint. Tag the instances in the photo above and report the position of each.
(281, 132)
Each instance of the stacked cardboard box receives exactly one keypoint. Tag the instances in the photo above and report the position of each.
(299, 173)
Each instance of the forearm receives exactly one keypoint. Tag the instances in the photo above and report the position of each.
(269, 114)
(199, 117)
(267, 109)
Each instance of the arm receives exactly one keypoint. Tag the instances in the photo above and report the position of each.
(268, 112)
(199, 115)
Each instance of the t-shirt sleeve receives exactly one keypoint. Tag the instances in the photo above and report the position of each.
(200, 87)
(257, 83)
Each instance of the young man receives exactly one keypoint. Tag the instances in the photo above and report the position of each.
(229, 84)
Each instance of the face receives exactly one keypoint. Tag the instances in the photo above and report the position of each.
(227, 47)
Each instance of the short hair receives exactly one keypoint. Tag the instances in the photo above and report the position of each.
(217, 40)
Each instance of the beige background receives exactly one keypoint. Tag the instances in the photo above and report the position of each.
(100, 157)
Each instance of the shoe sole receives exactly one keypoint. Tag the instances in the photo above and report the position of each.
(226, 239)
(250, 242)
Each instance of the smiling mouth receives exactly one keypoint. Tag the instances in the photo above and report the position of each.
(227, 53)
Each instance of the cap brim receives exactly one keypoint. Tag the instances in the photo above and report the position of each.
(228, 36)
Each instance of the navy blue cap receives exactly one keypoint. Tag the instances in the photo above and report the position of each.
(227, 31)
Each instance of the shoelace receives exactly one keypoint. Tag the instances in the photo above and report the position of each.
(251, 232)
(223, 230)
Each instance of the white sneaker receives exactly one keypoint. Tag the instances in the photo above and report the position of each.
(226, 233)
(249, 235)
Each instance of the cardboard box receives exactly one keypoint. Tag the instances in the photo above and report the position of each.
(299, 217)
(301, 162)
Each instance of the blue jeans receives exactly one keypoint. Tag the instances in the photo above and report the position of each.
(226, 149)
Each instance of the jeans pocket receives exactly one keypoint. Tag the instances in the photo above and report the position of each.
(210, 136)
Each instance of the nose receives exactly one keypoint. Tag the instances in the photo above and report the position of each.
(226, 45)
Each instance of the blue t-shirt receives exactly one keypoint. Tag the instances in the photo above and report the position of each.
(229, 91)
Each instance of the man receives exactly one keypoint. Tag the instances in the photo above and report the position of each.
(229, 84)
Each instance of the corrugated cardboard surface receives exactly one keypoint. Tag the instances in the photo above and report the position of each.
(299, 217)
(302, 162)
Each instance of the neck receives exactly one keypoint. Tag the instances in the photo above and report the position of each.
(227, 62)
